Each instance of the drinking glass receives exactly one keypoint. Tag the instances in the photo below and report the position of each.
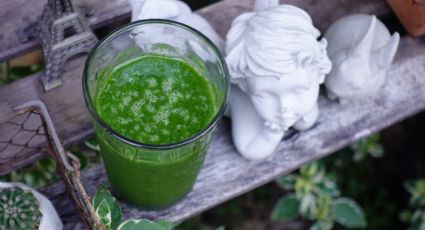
(154, 175)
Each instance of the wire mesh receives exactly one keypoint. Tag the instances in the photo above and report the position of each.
(23, 138)
(27, 130)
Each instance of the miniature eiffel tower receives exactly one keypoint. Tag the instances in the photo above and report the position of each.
(63, 33)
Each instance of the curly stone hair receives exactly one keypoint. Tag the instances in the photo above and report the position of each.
(273, 42)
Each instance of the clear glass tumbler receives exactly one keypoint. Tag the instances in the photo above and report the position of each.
(150, 175)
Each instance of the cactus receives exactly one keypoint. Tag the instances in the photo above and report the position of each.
(19, 208)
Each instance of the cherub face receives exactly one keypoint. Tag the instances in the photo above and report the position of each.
(281, 101)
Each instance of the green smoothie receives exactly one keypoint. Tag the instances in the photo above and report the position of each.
(154, 99)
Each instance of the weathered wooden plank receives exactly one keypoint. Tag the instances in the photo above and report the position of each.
(226, 175)
(21, 139)
(17, 15)
(323, 13)
(66, 105)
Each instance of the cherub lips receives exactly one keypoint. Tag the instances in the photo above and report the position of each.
(287, 116)
(281, 124)
(275, 127)
(286, 120)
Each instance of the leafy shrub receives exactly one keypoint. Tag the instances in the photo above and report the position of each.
(316, 197)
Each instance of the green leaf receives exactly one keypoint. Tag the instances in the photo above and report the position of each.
(103, 194)
(348, 213)
(417, 217)
(420, 186)
(367, 146)
(286, 208)
(141, 225)
(359, 156)
(328, 187)
(417, 220)
(92, 144)
(323, 204)
(165, 224)
(104, 214)
(221, 228)
(417, 200)
(287, 182)
(405, 216)
(321, 225)
(319, 176)
(309, 169)
(376, 151)
(410, 186)
(308, 206)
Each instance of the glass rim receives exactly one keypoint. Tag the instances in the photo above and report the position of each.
(134, 143)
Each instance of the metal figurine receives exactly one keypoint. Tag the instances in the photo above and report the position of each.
(63, 33)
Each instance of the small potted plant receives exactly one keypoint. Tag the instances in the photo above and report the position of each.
(411, 14)
(22, 207)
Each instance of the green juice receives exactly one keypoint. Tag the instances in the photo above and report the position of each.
(156, 100)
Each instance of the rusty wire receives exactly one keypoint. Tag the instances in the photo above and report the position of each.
(21, 138)
(19, 127)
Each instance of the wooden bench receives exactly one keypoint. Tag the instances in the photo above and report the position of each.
(225, 174)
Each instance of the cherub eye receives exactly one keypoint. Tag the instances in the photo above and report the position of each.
(261, 95)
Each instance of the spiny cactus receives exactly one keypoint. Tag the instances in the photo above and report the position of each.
(19, 209)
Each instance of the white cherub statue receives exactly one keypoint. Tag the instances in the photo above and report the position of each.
(174, 10)
(361, 50)
(276, 65)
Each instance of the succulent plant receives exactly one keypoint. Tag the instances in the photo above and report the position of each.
(19, 208)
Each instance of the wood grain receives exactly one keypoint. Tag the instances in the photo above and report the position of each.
(323, 13)
(17, 15)
(103, 12)
(225, 174)
(66, 104)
